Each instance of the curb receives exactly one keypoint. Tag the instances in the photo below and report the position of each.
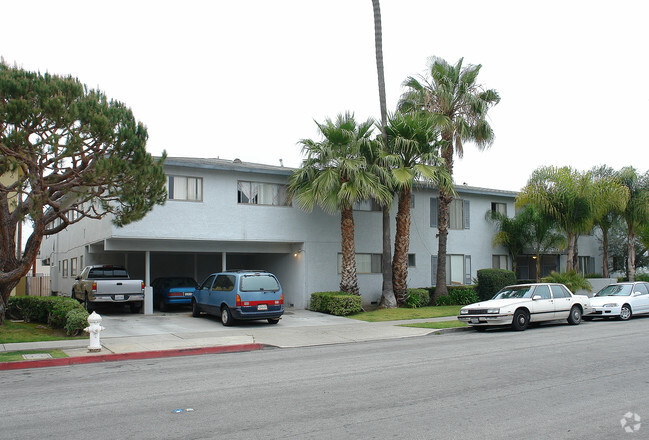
(17, 365)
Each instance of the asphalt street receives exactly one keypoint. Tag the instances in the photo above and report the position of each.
(554, 381)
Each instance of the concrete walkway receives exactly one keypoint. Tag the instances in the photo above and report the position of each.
(167, 334)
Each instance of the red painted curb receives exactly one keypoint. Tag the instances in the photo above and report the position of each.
(17, 365)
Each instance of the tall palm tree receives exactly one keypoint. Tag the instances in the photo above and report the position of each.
(388, 299)
(335, 175)
(610, 199)
(452, 92)
(412, 153)
(636, 212)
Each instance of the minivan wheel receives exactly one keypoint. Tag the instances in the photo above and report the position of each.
(196, 312)
(273, 320)
(226, 316)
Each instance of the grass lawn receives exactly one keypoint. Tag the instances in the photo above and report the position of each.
(400, 314)
(12, 332)
(12, 356)
(436, 325)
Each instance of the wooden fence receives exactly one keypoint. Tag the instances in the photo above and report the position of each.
(38, 285)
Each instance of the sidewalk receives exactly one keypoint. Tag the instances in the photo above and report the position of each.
(177, 333)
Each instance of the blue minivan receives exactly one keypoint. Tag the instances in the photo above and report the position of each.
(240, 295)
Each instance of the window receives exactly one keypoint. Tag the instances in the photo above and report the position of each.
(586, 265)
(641, 289)
(367, 205)
(499, 262)
(459, 213)
(365, 263)
(559, 292)
(73, 267)
(64, 273)
(224, 283)
(185, 188)
(543, 292)
(207, 283)
(412, 261)
(255, 193)
(499, 207)
(81, 263)
(458, 269)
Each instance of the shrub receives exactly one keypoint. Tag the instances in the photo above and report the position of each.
(490, 281)
(57, 317)
(593, 275)
(572, 280)
(458, 296)
(75, 321)
(336, 303)
(52, 310)
(417, 298)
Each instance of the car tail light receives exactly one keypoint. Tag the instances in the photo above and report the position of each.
(94, 286)
(142, 286)
(238, 300)
(281, 299)
(176, 294)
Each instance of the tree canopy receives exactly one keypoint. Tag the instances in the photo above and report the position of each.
(66, 153)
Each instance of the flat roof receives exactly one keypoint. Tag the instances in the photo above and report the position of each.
(251, 167)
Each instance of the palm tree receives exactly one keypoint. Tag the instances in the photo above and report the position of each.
(544, 235)
(636, 212)
(564, 195)
(451, 92)
(412, 153)
(610, 199)
(334, 176)
(513, 233)
(388, 299)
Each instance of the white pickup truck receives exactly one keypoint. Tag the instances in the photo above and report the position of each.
(108, 284)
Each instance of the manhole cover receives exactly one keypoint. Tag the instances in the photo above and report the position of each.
(34, 356)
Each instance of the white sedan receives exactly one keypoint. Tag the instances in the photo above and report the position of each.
(621, 300)
(521, 304)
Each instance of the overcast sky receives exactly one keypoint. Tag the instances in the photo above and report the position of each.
(246, 79)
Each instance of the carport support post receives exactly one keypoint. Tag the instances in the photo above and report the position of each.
(224, 262)
(148, 290)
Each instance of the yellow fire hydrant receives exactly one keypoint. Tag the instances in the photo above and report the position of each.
(94, 329)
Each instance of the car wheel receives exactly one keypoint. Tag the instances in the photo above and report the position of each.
(521, 320)
(273, 320)
(575, 315)
(226, 316)
(135, 307)
(196, 312)
(625, 312)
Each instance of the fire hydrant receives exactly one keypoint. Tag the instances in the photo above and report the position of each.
(94, 329)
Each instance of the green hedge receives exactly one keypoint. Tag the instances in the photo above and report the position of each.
(336, 303)
(55, 311)
(490, 281)
(417, 298)
(458, 296)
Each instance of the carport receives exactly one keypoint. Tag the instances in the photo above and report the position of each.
(148, 259)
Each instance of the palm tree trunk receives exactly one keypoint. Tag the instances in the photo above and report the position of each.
(571, 252)
(445, 200)
(348, 278)
(388, 299)
(401, 245)
(575, 255)
(631, 254)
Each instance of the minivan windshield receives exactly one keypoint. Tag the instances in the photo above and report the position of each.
(616, 290)
(515, 292)
(253, 282)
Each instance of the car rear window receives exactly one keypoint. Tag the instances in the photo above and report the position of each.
(255, 282)
(107, 272)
